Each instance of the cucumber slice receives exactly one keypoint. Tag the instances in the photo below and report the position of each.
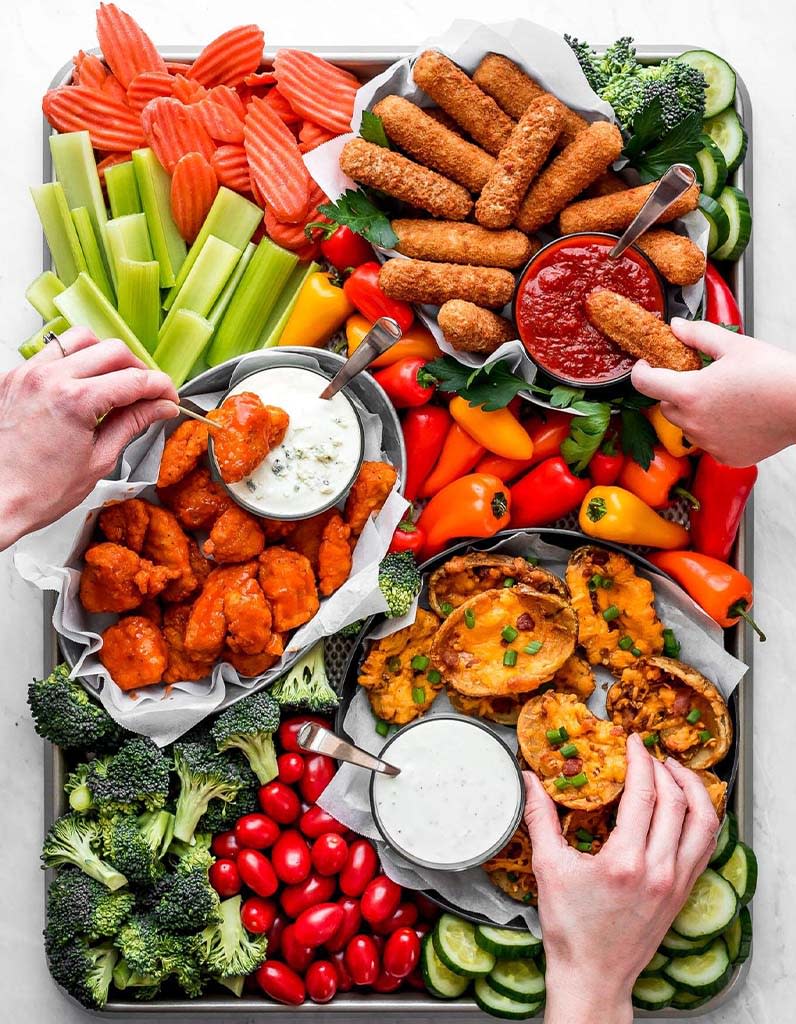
(718, 221)
(718, 74)
(710, 907)
(440, 982)
(673, 945)
(503, 942)
(455, 945)
(725, 841)
(497, 1005)
(710, 167)
(652, 993)
(741, 872)
(655, 966)
(727, 131)
(739, 937)
(517, 979)
(736, 206)
(703, 975)
(683, 1000)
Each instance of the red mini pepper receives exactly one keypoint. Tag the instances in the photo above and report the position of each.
(720, 304)
(339, 245)
(504, 469)
(551, 490)
(606, 464)
(407, 537)
(425, 429)
(548, 434)
(363, 291)
(406, 383)
(458, 456)
(722, 492)
(656, 485)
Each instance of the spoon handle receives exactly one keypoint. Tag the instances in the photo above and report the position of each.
(673, 184)
(316, 738)
(382, 335)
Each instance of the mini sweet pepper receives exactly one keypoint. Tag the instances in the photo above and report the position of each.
(612, 513)
(321, 309)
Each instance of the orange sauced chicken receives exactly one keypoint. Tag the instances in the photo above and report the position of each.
(334, 555)
(367, 495)
(206, 632)
(236, 536)
(182, 664)
(248, 618)
(166, 543)
(134, 652)
(182, 452)
(255, 664)
(116, 579)
(289, 584)
(126, 523)
(249, 431)
(196, 500)
(398, 688)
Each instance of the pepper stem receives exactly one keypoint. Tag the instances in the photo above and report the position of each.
(688, 497)
(740, 609)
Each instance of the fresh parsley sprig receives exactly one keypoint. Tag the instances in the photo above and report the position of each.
(356, 211)
(652, 149)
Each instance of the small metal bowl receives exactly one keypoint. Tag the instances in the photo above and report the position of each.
(458, 865)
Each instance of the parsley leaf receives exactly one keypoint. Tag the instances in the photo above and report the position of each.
(357, 212)
(730, 327)
(561, 397)
(372, 129)
(586, 434)
(492, 386)
(638, 436)
(679, 145)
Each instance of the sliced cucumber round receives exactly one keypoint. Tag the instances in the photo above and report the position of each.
(440, 982)
(725, 841)
(498, 1005)
(655, 966)
(727, 131)
(710, 907)
(736, 206)
(703, 975)
(718, 222)
(739, 937)
(710, 167)
(506, 942)
(652, 993)
(455, 945)
(674, 945)
(517, 979)
(682, 1000)
(741, 872)
(718, 74)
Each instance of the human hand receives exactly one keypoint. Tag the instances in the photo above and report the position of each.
(741, 407)
(604, 915)
(52, 448)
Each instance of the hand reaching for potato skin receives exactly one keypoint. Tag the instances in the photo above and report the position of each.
(603, 916)
(53, 450)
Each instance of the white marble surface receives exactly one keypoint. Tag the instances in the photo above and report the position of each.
(39, 35)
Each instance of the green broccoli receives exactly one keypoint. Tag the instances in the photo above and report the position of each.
(156, 955)
(187, 903)
(127, 848)
(679, 87)
(221, 815)
(249, 725)
(352, 629)
(187, 857)
(399, 581)
(84, 970)
(72, 840)
(157, 827)
(132, 780)
(76, 788)
(227, 948)
(204, 776)
(306, 684)
(234, 984)
(141, 986)
(80, 905)
(64, 714)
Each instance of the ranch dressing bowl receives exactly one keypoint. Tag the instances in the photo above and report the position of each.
(319, 456)
(459, 796)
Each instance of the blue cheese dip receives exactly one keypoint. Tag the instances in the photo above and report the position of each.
(321, 452)
(458, 798)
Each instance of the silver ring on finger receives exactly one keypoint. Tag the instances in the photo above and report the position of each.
(50, 337)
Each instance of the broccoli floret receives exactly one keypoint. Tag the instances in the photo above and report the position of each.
(204, 776)
(156, 955)
(76, 788)
(399, 581)
(80, 905)
(228, 949)
(187, 903)
(84, 970)
(141, 986)
(73, 840)
(157, 827)
(352, 629)
(187, 857)
(221, 815)
(679, 87)
(306, 684)
(133, 780)
(129, 850)
(64, 714)
(249, 726)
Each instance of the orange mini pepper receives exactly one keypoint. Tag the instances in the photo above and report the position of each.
(612, 513)
(499, 431)
(476, 505)
(321, 309)
(655, 485)
(417, 341)
(458, 456)
(548, 434)
(670, 436)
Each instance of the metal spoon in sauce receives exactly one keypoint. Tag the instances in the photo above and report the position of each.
(319, 740)
(382, 335)
(673, 184)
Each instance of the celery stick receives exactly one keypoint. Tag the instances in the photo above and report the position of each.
(83, 303)
(182, 343)
(35, 342)
(59, 230)
(231, 218)
(122, 189)
(40, 294)
(76, 169)
(154, 185)
(207, 278)
(139, 299)
(91, 250)
(247, 314)
(224, 299)
(128, 239)
(285, 304)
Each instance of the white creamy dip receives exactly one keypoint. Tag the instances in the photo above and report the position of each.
(316, 461)
(456, 798)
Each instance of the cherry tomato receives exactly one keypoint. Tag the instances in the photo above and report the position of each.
(258, 916)
(296, 954)
(288, 731)
(380, 899)
(360, 866)
(416, 980)
(349, 927)
(257, 873)
(318, 773)
(362, 960)
(291, 767)
(316, 925)
(344, 980)
(401, 952)
(343, 248)
(429, 910)
(290, 858)
(386, 982)
(321, 981)
(225, 877)
(315, 889)
(280, 983)
(225, 845)
(329, 853)
(256, 832)
(316, 822)
(404, 917)
(275, 933)
(280, 802)
(422, 929)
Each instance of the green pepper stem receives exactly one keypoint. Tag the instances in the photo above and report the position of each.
(688, 497)
(740, 609)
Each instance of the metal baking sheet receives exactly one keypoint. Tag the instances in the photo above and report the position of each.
(366, 62)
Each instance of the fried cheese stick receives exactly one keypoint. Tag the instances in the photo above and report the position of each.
(677, 258)
(402, 178)
(615, 212)
(469, 328)
(607, 184)
(453, 242)
(638, 332)
(436, 283)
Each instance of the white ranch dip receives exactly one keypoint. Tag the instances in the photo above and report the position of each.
(456, 800)
(320, 453)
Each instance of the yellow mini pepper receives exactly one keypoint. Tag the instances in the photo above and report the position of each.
(499, 431)
(417, 341)
(612, 513)
(670, 436)
(321, 309)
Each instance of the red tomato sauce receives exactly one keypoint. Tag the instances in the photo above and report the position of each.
(551, 320)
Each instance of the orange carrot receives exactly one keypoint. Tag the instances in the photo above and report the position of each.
(172, 131)
(112, 125)
(147, 86)
(89, 71)
(260, 78)
(291, 236)
(275, 164)
(230, 57)
(276, 100)
(114, 89)
(232, 167)
(316, 89)
(177, 67)
(186, 90)
(218, 121)
(312, 135)
(193, 188)
(109, 161)
(127, 49)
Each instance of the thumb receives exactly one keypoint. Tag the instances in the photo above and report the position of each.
(656, 382)
(120, 426)
(541, 818)
(711, 339)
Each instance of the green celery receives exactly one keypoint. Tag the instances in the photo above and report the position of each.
(83, 303)
(198, 367)
(76, 169)
(285, 304)
(35, 342)
(128, 239)
(41, 292)
(154, 185)
(95, 262)
(206, 280)
(59, 230)
(246, 316)
(224, 299)
(182, 343)
(138, 284)
(231, 218)
(122, 189)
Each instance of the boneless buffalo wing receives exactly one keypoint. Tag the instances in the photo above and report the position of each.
(236, 536)
(289, 584)
(248, 431)
(116, 579)
(134, 652)
(368, 494)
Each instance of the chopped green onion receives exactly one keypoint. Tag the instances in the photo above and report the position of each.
(568, 750)
(509, 582)
(418, 695)
(579, 780)
(382, 727)
(651, 739)
(611, 613)
(420, 662)
(509, 634)
(512, 876)
(446, 608)
(671, 645)
(595, 581)
(510, 658)
(705, 735)
(561, 783)
(584, 835)
(469, 618)
(693, 716)
(554, 736)
(606, 583)
(154, 186)
(636, 652)
(527, 897)
(394, 663)
(41, 292)
(433, 676)
(533, 647)
(562, 732)
(532, 560)
(584, 847)
(626, 643)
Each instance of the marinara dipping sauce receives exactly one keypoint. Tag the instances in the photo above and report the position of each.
(549, 312)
